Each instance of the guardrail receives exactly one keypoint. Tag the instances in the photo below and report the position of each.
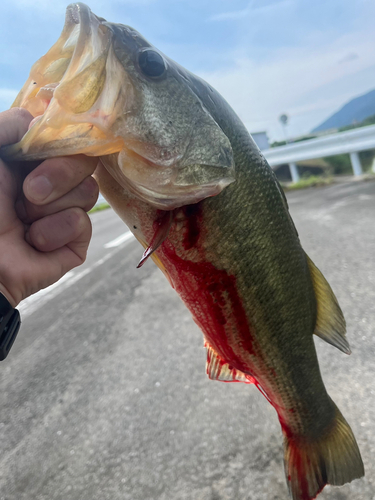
(352, 142)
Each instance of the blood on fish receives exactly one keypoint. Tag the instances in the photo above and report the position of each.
(298, 462)
(209, 290)
(193, 216)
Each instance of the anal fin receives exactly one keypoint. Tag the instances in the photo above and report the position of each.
(217, 369)
(330, 321)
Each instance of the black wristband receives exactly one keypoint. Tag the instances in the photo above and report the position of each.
(10, 322)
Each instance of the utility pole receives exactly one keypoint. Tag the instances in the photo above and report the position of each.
(284, 118)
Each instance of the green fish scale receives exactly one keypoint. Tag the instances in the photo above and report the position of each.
(252, 237)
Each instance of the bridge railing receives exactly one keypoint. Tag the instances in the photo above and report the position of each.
(351, 142)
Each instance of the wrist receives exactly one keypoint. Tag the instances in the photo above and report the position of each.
(12, 301)
(10, 322)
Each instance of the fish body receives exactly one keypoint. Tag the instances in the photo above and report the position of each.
(181, 170)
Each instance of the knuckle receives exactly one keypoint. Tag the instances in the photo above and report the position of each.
(78, 218)
(73, 170)
(21, 114)
(69, 172)
(31, 212)
(88, 193)
(89, 187)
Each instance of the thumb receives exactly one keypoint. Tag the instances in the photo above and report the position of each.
(13, 125)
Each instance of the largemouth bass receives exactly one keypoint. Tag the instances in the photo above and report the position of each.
(181, 170)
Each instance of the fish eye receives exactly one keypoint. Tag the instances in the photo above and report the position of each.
(151, 63)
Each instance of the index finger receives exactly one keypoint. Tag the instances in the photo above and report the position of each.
(55, 177)
(13, 125)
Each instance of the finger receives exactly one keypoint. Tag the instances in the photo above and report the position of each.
(83, 196)
(55, 177)
(71, 228)
(13, 125)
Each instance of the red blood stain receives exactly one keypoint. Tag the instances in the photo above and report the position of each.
(193, 215)
(298, 459)
(210, 293)
(272, 370)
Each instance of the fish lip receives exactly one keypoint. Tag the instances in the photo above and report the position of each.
(84, 39)
(75, 12)
(79, 13)
(91, 103)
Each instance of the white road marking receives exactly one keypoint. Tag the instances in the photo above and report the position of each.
(364, 197)
(119, 240)
(39, 299)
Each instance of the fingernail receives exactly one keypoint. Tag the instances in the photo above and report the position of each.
(39, 188)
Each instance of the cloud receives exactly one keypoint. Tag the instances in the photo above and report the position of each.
(349, 57)
(252, 6)
(266, 57)
(224, 16)
(52, 6)
(305, 82)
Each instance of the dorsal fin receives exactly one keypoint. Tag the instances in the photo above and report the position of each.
(330, 321)
(217, 369)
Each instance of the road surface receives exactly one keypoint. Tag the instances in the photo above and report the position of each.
(104, 395)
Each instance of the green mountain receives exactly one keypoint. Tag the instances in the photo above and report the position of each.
(355, 111)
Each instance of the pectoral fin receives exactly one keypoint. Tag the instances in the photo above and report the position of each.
(330, 321)
(217, 369)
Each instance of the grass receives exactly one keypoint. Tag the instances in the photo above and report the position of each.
(99, 207)
(312, 181)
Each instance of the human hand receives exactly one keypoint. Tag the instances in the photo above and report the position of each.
(44, 228)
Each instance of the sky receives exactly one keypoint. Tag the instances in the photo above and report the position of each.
(266, 57)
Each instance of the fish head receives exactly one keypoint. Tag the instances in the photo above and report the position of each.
(104, 90)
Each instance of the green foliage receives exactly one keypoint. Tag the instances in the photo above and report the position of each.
(340, 164)
(367, 157)
(99, 207)
(310, 181)
(276, 144)
(370, 120)
(305, 138)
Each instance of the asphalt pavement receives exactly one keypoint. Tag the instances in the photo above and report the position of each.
(104, 395)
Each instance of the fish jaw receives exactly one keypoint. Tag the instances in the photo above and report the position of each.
(89, 95)
(74, 93)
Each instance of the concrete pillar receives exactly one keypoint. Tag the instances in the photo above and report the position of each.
(294, 172)
(356, 164)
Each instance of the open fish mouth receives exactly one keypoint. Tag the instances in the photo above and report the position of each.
(72, 93)
(104, 90)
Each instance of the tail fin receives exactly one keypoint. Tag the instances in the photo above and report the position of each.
(333, 459)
